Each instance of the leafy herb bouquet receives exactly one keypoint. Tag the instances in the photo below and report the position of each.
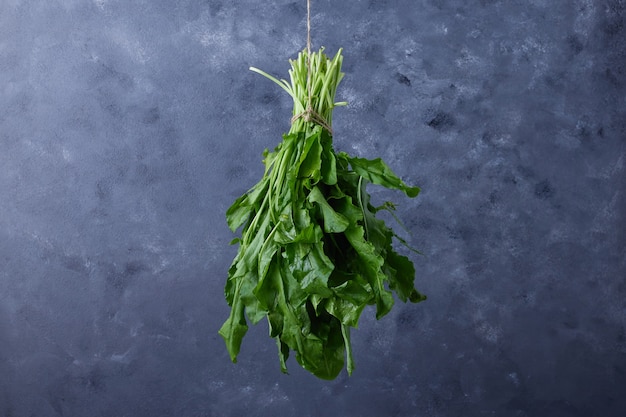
(312, 253)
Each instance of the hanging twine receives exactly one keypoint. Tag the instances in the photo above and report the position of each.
(309, 114)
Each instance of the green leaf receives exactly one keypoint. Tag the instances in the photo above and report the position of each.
(347, 313)
(322, 352)
(377, 172)
(329, 162)
(283, 354)
(243, 207)
(310, 162)
(266, 254)
(345, 331)
(310, 266)
(293, 322)
(235, 327)
(371, 264)
(333, 222)
(376, 231)
(401, 274)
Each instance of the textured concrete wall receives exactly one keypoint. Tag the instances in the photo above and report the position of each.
(128, 127)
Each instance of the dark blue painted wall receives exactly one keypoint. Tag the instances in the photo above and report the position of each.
(128, 127)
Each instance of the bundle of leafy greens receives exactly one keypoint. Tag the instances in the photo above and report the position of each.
(312, 253)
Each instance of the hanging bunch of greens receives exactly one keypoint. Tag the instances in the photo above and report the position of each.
(312, 253)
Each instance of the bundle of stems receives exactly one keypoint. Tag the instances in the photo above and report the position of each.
(313, 86)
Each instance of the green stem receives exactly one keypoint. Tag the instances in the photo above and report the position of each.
(359, 194)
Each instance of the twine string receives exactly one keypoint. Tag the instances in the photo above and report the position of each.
(308, 56)
(308, 35)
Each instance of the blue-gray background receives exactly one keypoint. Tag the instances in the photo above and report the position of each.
(128, 127)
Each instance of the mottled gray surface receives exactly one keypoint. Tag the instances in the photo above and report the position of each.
(128, 127)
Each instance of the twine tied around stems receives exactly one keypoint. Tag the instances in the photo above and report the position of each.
(309, 114)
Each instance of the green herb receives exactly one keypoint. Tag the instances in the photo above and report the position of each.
(312, 253)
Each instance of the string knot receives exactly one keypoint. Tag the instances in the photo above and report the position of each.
(311, 116)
